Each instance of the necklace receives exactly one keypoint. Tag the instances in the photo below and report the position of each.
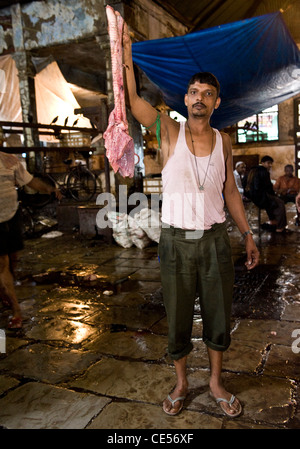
(201, 186)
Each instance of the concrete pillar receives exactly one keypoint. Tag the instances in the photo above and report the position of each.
(26, 74)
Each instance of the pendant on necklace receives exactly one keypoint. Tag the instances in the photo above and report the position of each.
(201, 187)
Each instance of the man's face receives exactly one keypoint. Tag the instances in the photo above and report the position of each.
(201, 100)
(267, 165)
(289, 171)
(241, 169)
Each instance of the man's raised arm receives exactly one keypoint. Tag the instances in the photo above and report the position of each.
(165, 128)
(141, 109)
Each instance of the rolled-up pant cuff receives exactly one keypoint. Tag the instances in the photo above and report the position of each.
(183, 353)
(214, 347)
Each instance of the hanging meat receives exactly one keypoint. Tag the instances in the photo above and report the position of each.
(118, 143)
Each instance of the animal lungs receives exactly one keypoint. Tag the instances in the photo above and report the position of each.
(118, 143)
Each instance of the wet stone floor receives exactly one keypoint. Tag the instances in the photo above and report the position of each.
(92, 351)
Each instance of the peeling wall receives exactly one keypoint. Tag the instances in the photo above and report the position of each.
(59, 21)
(3, 43)
(6, 40)
(53, 22)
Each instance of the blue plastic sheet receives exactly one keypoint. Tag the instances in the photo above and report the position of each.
(255, 60)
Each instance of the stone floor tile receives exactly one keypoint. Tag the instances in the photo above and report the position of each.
(244, 424)
(56, 329)
(283, 361)
(12, 344)
(134, 263)
(264, 331)
(243, 357)
(48, 407)
(67, 309)
(143, 287)
(135, 415)
(161, 327)
(293, 259)
(139, 381)
(135, 345)
(284, 331)
(125, 299)
(134, 318)
(267, 399)
(146, 274)
(292, 312)
(134, 253)
(45, 363)
(6, 383)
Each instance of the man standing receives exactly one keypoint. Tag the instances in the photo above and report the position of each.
(12, 175)
(194, 247)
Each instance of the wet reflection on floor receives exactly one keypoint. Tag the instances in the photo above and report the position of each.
(94, 341)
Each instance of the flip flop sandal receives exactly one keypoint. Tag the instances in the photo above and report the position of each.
(230, 402)
(173, 402)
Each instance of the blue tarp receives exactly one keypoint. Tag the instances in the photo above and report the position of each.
(255, 60)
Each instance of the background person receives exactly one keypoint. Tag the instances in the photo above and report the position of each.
(287, 187)
(239, 173)
(13, 175)
(259, 189)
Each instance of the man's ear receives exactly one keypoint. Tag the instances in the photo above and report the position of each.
(218, 101)
(185, 99)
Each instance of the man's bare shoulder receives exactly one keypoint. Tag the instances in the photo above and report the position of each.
(227, 148)
(225, 137)
(226, 142)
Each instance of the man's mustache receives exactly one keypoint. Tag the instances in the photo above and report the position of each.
(199, 103)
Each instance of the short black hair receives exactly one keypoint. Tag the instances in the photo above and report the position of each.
(289, 166)
(205, 78)
(267, 159)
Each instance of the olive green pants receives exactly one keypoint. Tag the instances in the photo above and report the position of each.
(189, 266)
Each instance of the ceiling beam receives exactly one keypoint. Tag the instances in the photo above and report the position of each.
(200, 22)
(170, 9)
(251, 10)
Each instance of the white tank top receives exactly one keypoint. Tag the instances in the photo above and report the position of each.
(184, 205)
